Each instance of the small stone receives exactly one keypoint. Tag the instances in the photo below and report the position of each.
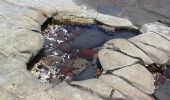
(87, 53)
(65, 47)
(64, 69)
(79, 65)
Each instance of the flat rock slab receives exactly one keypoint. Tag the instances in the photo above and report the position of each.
(154, 40)
(22, 84)
(111, 60)
(128, 48)
(22, 41)
(100, 88)
(40, 96)
(157, 56)
(7, 96)
(125, 88)
(64, 91)
(137, 75)
(114, 21)
(156, 27)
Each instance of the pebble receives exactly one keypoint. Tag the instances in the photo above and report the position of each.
(79, 65)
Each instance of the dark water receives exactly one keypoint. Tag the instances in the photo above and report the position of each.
(69, 52)
(110, 10)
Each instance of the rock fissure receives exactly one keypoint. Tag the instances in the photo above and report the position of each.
(161, 35)
(91, 91)
(117, 49)
(154, 47)
(115, 69)
(129, 82)
(139, 48)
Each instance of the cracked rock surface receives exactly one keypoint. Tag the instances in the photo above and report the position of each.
(124, 77)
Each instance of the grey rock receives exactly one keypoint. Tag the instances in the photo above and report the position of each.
(55, 81)
(79, 65)
(16, 79)
(154, 40)
(162, 93)
(100, 87)
(87, 73)
(110, 59)
(167, 73)
(156, 27)
(64, 91)
(128, 48)
(5, 95)
(10, 10)
(157, 56)
(21, 83)
(115, 21)
(18, 41)
(40, 96)
(125, 88)
(139, 76)
(89, 39)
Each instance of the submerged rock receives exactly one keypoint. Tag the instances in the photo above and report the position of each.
(88, 73)
(87, 53)
(163, 92)
(79, 65)
(89, 39)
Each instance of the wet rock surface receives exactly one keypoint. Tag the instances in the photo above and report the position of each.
(70, 53)
(20, 41)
